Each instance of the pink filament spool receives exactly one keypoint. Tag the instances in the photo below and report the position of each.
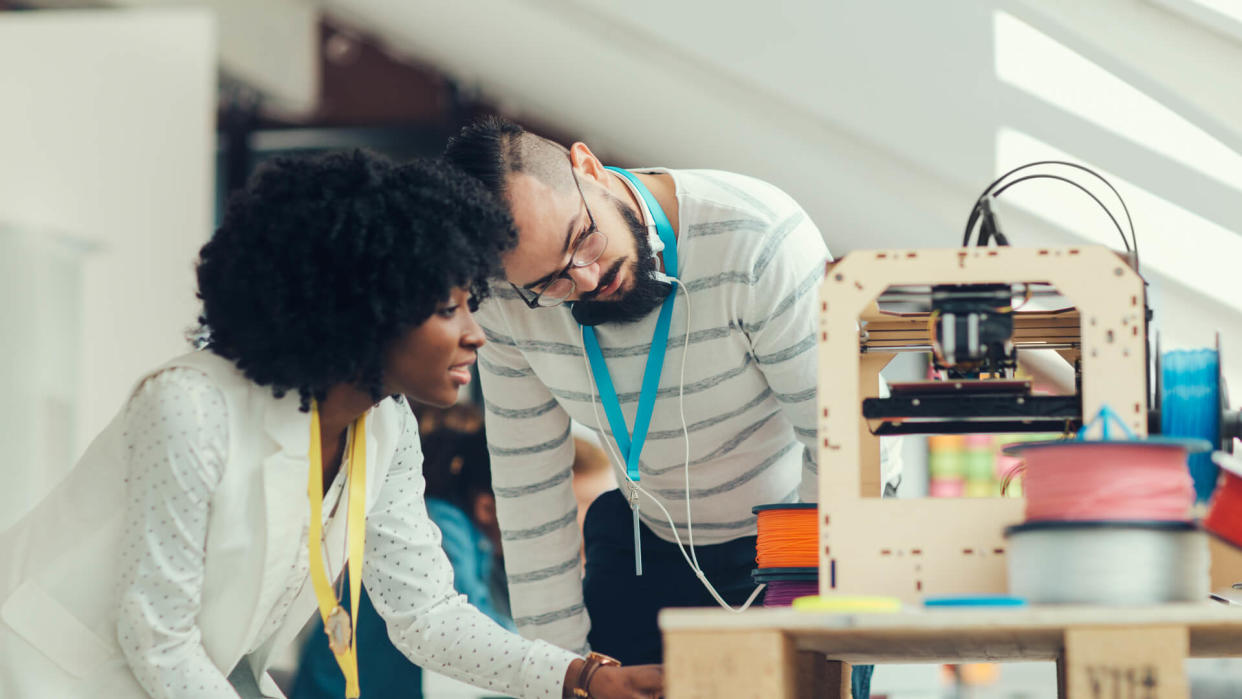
(1107, 480)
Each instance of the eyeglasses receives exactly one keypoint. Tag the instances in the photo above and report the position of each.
(585, 252)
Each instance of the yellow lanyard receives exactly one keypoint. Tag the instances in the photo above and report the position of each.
(341, 626)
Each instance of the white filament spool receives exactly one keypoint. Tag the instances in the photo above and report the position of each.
(1111, 563)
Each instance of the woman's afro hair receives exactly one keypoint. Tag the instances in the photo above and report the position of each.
(321, 262)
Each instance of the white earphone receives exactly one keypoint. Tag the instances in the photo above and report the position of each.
(691, 558)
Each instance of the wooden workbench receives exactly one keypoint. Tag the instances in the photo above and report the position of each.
(1101, 652)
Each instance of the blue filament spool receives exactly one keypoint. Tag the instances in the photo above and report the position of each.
(1191, 407)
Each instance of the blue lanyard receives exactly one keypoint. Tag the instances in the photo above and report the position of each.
(630, 449)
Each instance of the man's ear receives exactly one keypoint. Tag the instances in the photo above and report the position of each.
(585, 162)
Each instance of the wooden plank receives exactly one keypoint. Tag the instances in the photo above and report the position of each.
(1146, 662)
(874, 330)
(869, 476)
(821, 678)
(1066, 317)
(747, 665)
(1035, 633)
(871, 337)
(962, 537)
(966, 620)
(1226, 563)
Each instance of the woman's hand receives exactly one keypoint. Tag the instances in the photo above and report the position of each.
(632, 682)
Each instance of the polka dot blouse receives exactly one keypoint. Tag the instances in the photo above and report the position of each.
(177, 442)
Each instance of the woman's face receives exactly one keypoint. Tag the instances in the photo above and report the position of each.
(432, 361)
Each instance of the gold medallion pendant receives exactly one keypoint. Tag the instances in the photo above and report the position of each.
(338, 629)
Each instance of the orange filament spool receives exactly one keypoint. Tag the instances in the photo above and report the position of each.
(788, 536)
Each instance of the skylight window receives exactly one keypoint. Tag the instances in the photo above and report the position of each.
(1223, 16)
(1041, 66)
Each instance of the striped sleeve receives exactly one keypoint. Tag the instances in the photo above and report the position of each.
(532, 453)
(779, 318)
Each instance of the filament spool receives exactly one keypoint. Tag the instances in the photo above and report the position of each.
(1191, 406)
(784, 585)
(788, 536)
(1108, 563)
(1107, 521)
(787, 552)
(1084, 481)
(1224, 517)
(767, 575)
(1108, 479)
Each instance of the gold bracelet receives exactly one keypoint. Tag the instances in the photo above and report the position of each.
(594, 661)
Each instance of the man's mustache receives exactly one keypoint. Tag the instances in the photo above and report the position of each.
(604, 281)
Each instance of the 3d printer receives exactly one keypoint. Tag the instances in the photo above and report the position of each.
(976, 311)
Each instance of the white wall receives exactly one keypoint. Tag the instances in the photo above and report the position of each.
(882, 118)
(107, 136)
(271, 46)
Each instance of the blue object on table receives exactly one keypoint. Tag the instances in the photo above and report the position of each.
(975, 601)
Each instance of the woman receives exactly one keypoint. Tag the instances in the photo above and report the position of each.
(175, 558)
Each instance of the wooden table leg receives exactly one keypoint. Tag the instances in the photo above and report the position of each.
(1145, 663)
(821, 678)
(746, 665)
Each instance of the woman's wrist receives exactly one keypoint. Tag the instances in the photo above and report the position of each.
(601, 678)
(571, 676)
(579, 687)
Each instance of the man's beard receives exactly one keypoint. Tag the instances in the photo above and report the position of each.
(647, 292)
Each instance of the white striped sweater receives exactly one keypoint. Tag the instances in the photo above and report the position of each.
(751, 261)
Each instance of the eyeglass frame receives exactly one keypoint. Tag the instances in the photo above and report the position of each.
(593, 229)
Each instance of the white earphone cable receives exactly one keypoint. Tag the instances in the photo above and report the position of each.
(692, 557)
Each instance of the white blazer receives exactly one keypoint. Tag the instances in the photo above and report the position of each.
(58, 572)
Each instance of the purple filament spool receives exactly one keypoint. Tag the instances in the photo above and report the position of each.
(782, 593)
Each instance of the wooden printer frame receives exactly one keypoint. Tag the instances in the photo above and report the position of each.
(911, 548)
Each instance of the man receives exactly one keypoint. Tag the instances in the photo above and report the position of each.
(590, 263)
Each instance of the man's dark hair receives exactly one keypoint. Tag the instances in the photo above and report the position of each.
(494, 148)
(320, 263)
